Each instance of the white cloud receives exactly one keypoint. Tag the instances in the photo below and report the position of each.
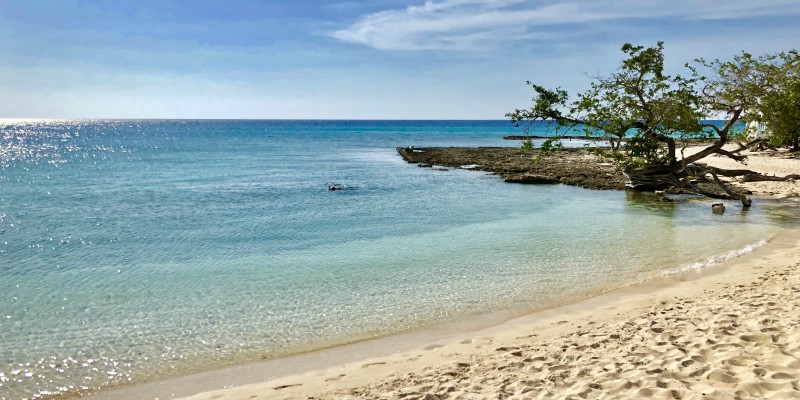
(467, 24)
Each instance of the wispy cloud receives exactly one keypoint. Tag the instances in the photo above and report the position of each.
(468, 24)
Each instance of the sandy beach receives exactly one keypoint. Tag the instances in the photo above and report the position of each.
(777, 163)
(729, 331)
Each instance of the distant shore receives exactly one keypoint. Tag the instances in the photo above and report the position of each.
(582, 137)
(565, 137)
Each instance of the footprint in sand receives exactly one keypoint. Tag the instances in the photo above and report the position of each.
(736, 361)
(285, 386)
(335, 378)
(782, 375)
(528, 336)
(756, 338)
(723, 377)
(699, 372)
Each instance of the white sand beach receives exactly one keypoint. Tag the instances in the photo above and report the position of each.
(730, 331)
(776, 163)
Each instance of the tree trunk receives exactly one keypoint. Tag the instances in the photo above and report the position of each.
(650, 178)
(671, 148)
(677, 177)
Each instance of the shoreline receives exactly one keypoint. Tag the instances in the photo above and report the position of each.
(580, 167)
(572, 166)
(477, 356)
(360, 369)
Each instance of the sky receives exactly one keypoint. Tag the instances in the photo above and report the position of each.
(346, 59)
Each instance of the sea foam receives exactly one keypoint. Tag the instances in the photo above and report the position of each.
(716, 259)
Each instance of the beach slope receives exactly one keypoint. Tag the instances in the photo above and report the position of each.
(729, 331)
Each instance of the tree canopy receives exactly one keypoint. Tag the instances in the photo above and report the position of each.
(779, 107)
(644, 113)
(781, 113)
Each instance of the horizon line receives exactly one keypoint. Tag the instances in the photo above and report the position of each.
(243, 119)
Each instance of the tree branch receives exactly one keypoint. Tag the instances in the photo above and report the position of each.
(756, 177)
(702, 153)
(737, 157)
(712, 126)
(726, 172)
(745, 201)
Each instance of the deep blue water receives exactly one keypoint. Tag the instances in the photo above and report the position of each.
(135, 250)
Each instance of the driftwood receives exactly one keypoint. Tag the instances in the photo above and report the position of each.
(746, 202)
(699, 168)
(687, 180)
(759, 144)
(745, 175)
(650, 181)
(767, 178)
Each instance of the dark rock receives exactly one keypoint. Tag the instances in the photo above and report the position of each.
(529, 178)
(576, 167)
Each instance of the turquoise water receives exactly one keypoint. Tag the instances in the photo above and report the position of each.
(136, 250)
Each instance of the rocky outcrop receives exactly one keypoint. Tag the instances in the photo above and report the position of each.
(576, 167)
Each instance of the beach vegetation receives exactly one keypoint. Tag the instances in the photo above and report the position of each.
(782, 115)
(644, 114)
(527, 145)
(779, 107)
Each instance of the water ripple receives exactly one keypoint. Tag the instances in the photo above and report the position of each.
(134, 250)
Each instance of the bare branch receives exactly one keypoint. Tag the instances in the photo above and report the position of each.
(712, 126)
(746, 202)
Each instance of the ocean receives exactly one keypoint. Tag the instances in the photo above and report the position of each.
(135, 250)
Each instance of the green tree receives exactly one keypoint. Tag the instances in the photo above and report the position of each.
(779, 107)
(638, 97)
(781, 113)
(645, 112)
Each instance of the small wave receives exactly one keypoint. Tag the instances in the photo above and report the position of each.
(716, 259)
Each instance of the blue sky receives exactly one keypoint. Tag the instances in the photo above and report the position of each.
(372, 59)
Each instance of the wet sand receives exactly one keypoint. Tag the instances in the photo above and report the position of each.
(729, 331)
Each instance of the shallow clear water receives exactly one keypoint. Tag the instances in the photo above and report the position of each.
(134, 250)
